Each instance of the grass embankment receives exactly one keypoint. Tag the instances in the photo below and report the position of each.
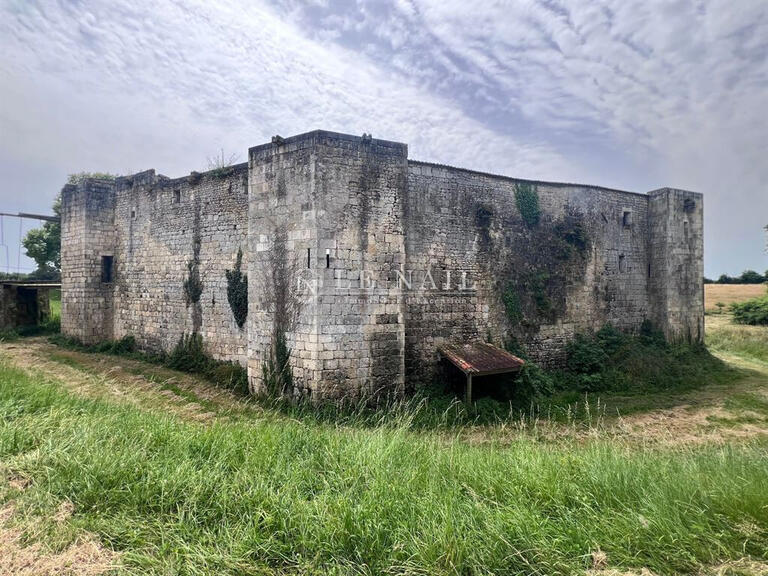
(748, 342)
(271, 494)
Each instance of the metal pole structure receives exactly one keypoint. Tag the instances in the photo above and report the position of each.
(20, 216)
(469, 388)
(32, 216)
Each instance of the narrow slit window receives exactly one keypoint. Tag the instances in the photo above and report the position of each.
(309, 257)
(685, 230)
(133, 213)
(176, 196)
(622, 263)
(327, 258)
(107, 269)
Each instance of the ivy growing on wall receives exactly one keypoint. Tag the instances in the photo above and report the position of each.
(527, 200)
(237, 290)
(512, 305)
(193, 286)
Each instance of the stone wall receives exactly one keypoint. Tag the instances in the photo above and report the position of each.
(165, 228)
(366, 261)
(468, 222)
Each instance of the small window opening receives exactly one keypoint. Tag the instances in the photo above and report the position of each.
(327, 258)
(133, 213)
(622, 263)
(309, 258)
(626, 219)
(685, 230)
(106, 269)
(176, 196)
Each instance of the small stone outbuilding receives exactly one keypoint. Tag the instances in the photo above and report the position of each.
(25, 303)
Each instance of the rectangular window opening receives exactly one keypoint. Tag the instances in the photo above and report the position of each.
(309, 257)
(176, 196)
(106, 269)
(327, 258)
(626, 219)
(133, 213)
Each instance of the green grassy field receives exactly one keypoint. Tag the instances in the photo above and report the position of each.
(55, 303)
(179, 478)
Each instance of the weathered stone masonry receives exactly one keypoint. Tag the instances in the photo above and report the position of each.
(366, 261)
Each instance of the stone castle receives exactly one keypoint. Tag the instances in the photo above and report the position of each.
(364, 262)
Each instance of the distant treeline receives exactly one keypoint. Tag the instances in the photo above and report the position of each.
(37, 275)
(747, 277)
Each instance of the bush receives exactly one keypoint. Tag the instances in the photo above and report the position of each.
(754, 312)
(613, 360)
(189, 355)
(531, 385)
(585, 355)
(126, 345)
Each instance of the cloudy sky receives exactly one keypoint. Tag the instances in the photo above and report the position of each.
(622, 93)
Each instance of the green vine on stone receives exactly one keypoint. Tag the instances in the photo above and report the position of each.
(237, 290)
(527, 200)
(193, 286)
(512, 305)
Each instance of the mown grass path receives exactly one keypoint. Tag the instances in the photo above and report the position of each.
(176, 476)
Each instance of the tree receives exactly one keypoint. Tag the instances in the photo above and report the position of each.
(751, 277)
(43, 245)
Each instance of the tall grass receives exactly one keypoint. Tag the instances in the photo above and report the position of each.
(748, 341)
(274, 495)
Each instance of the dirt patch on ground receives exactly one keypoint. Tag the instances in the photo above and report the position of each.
(84, 556)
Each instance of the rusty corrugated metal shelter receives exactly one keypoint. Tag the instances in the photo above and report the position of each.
(479, 359)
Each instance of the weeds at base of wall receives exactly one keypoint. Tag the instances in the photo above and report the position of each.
(276, 369)
(187, 356)
(612, 361)
(51, 326)
(607, 361)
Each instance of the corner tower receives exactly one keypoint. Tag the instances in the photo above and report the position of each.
(676, 263)
(88, 241)
(326, 244)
